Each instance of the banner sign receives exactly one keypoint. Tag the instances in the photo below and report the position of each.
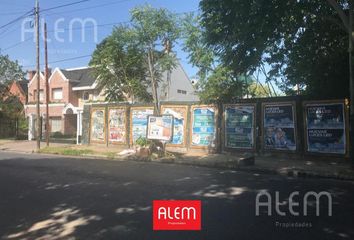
(239, 128)
(203, 126)
(116, 125)
(279, 127)
(179, 114)
(139, 122)
(326, 128)
(97, 125)
(160, 127)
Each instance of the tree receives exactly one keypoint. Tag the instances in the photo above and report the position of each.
(257, 90)
(217, 83)
(302, 42)
(9, 71)
(138, 52)
(119, 66)
(155, 27)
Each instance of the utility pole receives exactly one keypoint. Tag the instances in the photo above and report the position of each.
(46, 86)
(38, 76)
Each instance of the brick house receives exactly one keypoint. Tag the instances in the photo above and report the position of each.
(19, 89)
(70, 89)
(63, 104)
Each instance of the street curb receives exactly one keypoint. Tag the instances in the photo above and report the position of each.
(231, 165)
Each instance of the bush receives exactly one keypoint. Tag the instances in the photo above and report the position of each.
(57, 135)
(142, 142)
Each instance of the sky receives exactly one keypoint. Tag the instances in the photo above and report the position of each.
(17, 39)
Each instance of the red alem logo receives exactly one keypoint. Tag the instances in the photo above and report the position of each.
(177, 215)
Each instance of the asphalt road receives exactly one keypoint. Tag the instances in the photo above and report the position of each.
(45, 197)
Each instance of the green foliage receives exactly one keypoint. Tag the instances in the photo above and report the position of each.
(199, 53)
(132, 59)
(217, 82)
(11, 108)
(257, 90)
(142, 142)
(9, 71)
(119, 65)
(222, 86)
(66, 151)
(302, 41)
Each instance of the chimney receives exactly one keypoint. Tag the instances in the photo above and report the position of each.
(30, 74)
(49, 72)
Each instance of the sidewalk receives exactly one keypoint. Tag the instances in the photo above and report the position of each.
(24, 146)
(321, 168)
(339, 169)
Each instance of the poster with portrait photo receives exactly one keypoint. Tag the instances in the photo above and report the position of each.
(279, 127)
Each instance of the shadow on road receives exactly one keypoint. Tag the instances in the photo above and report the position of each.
(49, 198)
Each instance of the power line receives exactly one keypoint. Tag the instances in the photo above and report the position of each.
(61, 60)
(90, 7)
(18, 18)
(64, 5)
(18, 43)
(76, 28)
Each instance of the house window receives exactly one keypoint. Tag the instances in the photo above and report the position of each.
(86, 96)
(55, 124)
(41, 95)
(57, 93)
(181, 91)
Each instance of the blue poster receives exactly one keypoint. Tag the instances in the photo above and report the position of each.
(178, 114)
(326, 128)
(139, 122)
(279, 127)
(203, 127)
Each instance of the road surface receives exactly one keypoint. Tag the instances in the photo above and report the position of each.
(51, 197)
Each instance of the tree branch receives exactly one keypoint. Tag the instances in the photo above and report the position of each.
(341, 14)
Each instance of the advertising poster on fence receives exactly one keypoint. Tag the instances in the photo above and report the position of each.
(116, 125)
(239, 126)
(160, 127)
(326, 128)
(203, 126)
(139, 122)
(279, 127)
(179, 115)
(97, 125)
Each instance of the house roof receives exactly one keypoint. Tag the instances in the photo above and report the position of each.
(24, 85)
(83, 76)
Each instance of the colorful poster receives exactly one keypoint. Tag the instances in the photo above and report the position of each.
(160, 127)
(239, 129)
(98, 126)
(279, 127)
(116, 125)
(203, 126)
(179, 114)
(139, 122)
(326, 128)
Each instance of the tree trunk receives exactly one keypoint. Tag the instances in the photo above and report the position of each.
(153, 82)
